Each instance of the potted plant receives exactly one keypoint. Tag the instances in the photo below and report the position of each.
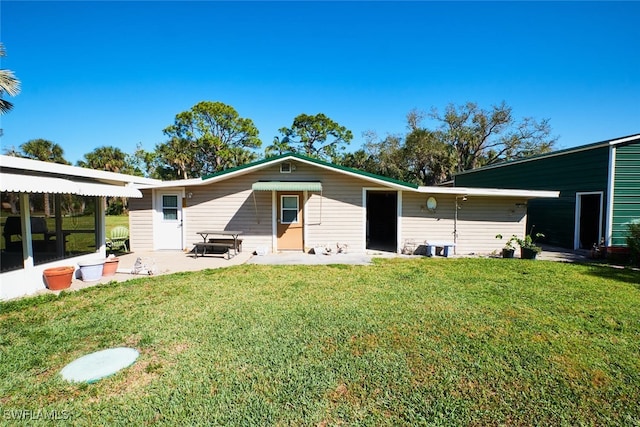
(528, 247)
(508, 250)
(58, 278)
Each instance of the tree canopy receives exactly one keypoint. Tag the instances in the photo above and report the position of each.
(108, 158)
(316, 136)
(485, 136)
(208, 138)
(42, 149)
(465, 137)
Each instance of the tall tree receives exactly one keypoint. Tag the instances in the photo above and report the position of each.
(106, 158)
(43, 150)
(9, 84)
(207, 138)
(180, 157)
(145, 163)
(279, 146)
(316, 136)
(428, 159)
(111, 159)
(46, 151)
(467, 137)
(485, 136)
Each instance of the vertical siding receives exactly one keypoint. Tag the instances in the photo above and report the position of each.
(626, 193)
(583, 171)
(141, 222)
(480, 219)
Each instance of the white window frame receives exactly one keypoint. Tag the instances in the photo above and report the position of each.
(282, 208)
(176, 207)
(286, 167)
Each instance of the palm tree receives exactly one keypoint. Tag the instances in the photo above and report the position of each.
(46, 151)
(111, 159)
(9, 84)
(175, 154)
(278, 147)
(43, 150)
(107, 158)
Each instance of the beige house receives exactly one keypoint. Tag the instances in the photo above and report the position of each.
(295, 203)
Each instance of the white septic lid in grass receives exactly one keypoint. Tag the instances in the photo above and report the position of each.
(95, 366)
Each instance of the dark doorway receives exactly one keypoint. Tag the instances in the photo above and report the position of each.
(590, 205)
(382, 220)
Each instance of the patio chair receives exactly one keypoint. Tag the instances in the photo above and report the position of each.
(118, 239)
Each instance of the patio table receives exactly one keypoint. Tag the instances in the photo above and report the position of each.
(206, 233)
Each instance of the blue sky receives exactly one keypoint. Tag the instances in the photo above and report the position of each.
(117, 73)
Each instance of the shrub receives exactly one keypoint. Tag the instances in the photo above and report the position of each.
(115, 207)
(633, 241)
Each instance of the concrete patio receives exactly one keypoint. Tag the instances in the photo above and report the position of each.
(168, 262)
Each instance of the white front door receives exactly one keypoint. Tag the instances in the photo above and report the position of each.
(168, 229)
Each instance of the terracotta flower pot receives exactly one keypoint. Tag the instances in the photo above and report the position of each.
(58, 278)
(110, 267)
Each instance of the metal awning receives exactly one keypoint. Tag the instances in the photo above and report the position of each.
(286, 186)
(92, 189)
(44, 184)
(36, 184)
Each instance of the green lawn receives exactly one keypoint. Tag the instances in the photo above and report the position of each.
(402, 342)
(112, 221)
(78, 242)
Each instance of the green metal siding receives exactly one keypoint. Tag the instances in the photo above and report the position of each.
(582, 171)
(626, 191)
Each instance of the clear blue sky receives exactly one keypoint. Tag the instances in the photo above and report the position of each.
(117, 73)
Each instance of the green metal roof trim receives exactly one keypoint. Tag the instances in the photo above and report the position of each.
(286, 186)
(631, 139)
(316, 161)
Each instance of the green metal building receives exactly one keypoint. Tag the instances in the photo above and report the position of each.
(599, 188)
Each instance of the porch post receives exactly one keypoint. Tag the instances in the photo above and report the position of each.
(27, 239)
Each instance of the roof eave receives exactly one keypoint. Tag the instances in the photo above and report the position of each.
(261, 164)
(489, 192)
(593, 146)
(21, 164)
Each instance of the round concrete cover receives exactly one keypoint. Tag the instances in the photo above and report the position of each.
(95, 366)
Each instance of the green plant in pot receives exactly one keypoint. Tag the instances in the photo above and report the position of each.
(528, 247)
(508, 250)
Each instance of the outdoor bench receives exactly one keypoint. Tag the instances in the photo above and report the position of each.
(432, 248)
(202, 247)
(228, 242)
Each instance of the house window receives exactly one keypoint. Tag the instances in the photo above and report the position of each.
(170, 207)
(289, 210)
(285, 167)
(62, 226)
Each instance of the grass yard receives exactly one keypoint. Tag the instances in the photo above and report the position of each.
(112, 221)
(402, 342)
